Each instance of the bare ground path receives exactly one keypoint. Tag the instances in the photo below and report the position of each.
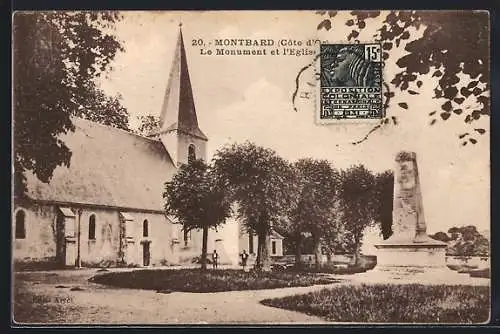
(98, 304)
(49, 297)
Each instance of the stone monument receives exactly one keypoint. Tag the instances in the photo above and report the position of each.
(410, 252)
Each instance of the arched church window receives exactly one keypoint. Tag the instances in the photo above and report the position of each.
(92, 227)
(20, 225)
(145, 228)
(191, 153)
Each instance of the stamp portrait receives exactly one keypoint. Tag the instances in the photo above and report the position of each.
(350, 82)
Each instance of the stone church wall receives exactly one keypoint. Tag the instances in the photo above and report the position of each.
(39, 243)
(104, 247)
(107, 246)
(161, 236)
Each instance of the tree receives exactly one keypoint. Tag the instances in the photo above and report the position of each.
(454, 47)
(464, 241)
(148, 125)
(333, 240)
(357, 193)
(259, 181)
(469, 232)
(192, 196)
(56, 57)
(384, 195)
(455, 233)
(469, 242)
(314, 209)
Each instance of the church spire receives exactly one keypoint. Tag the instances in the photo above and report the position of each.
(178, 113)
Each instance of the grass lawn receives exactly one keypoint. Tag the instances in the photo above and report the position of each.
(385, 303)
(196, 280)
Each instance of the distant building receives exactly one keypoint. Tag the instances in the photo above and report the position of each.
(249, 242)
(107, 207)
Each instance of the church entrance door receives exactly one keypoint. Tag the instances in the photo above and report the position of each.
(145, 254)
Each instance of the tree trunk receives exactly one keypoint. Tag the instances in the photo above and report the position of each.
(356, 254)
(329, 257)
(298, 250)
(263, 263)
(317, 251)
(204, 247)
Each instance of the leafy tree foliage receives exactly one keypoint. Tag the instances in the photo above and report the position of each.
(454, 48)
(357, 193)
(464, 241)
(260, 182)
(334, 235)
(148, 124)
(314, 209)
(192, 196)
(56, 57)
(455, 233)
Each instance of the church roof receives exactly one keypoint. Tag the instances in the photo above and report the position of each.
(108, 167)
(178, 110)
(276, 235)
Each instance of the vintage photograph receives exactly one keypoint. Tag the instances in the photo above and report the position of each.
(250, 167)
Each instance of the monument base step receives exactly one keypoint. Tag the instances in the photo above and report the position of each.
(419, 275)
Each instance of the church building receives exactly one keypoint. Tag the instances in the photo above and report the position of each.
(107, 208)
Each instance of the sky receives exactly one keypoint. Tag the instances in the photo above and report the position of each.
(241, 98)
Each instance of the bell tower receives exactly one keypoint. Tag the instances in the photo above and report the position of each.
(179, 131)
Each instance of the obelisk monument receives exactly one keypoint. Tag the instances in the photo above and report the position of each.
(409, 251)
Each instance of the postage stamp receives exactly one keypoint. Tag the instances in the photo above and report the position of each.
(350, 82)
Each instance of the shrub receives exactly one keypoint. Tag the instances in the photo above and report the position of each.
(198, 259)
(109, 264)
(334, 269)
(385, 303)
(197, 280)
(166, 263)
(367, 262)
(37, 265)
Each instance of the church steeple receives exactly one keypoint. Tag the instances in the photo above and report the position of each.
(178, 114)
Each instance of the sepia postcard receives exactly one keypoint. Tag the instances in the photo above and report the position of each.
(250, 167)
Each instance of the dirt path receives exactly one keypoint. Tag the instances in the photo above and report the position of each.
(47, 297)
(98, 304)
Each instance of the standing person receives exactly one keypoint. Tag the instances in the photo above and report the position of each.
(215, 258)
(244, 258)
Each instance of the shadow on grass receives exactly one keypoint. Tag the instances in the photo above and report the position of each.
(386, 303)
(197, 280)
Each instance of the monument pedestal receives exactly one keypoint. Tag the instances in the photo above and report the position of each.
(417, 275)
(414, 262)
(429, 253)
